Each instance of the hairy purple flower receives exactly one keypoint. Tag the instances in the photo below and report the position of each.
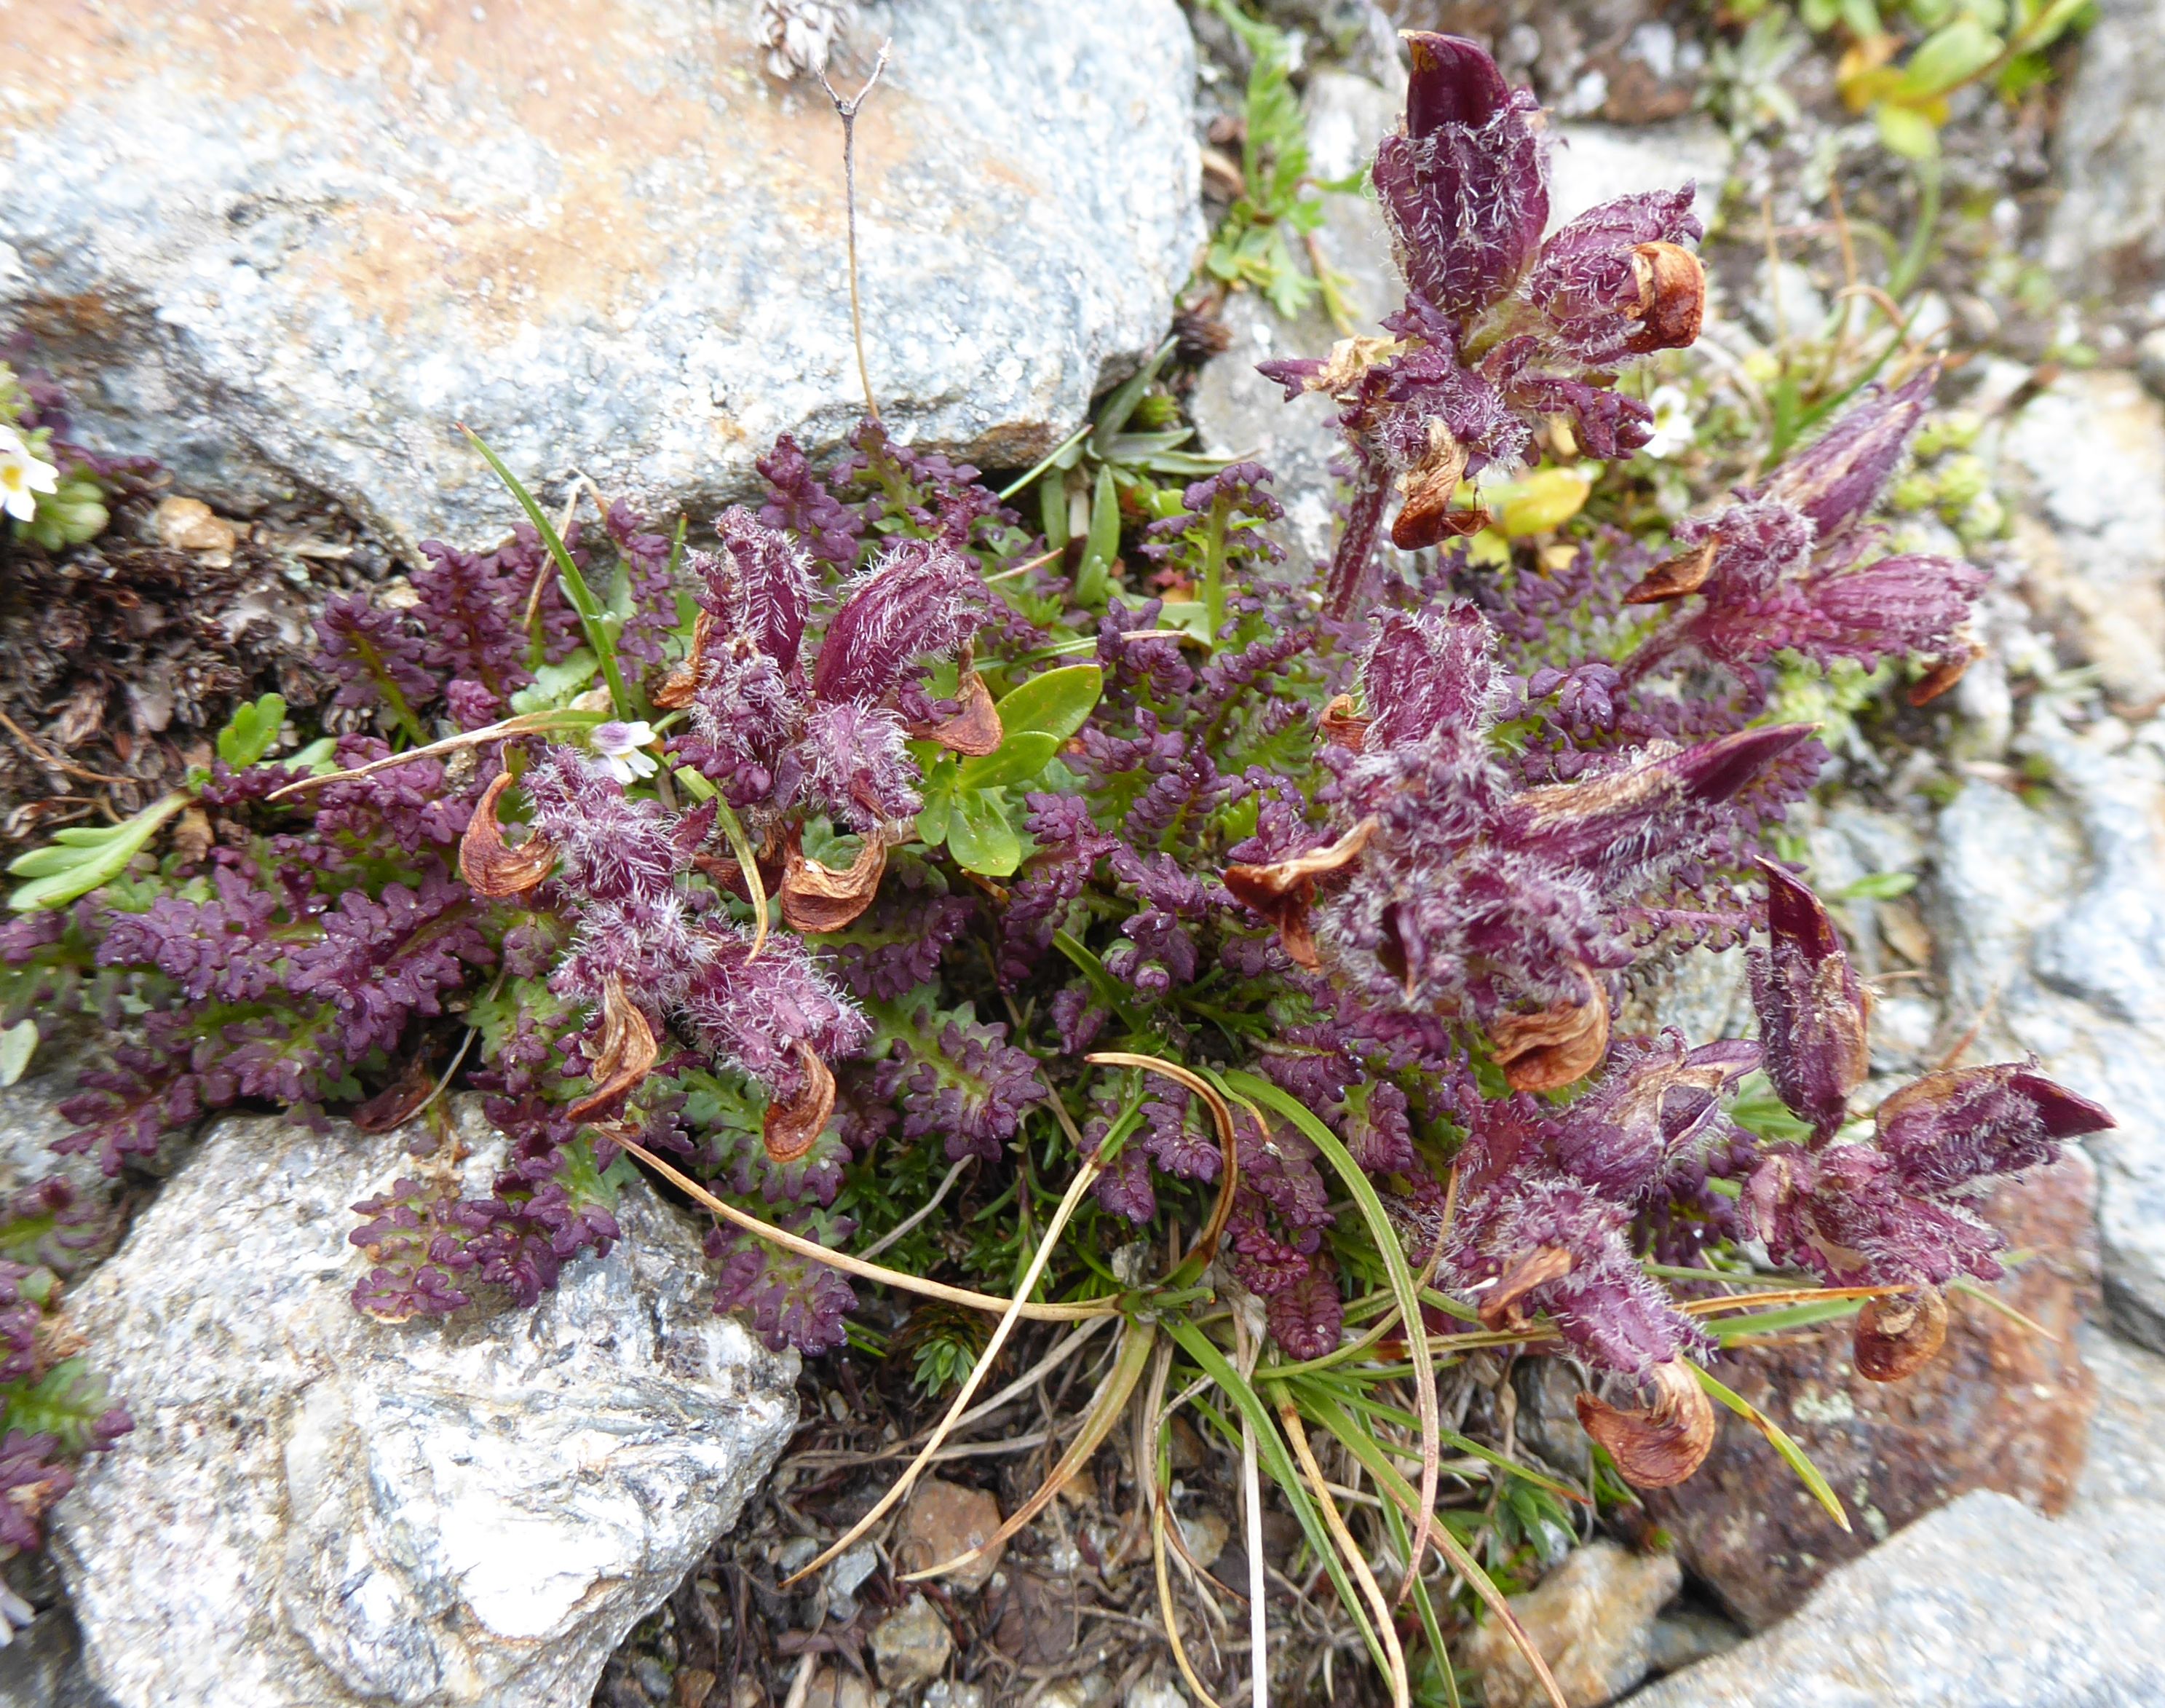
(1452, 892)
(921, 598)
(1892, 1209)
(1791, 565)
(1500, 328)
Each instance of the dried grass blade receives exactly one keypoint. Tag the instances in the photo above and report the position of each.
(748, 865)
(855, 1266)
(1012, 1315)
(1097, 1422)
(1205, 1248)
(1289, 1415)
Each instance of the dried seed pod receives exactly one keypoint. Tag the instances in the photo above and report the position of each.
(491, 867)
(1672, 296)
(972, 731)
(1284, 891)
(627, 1052)
(678, 686)
(1898, 1336)
(1561, 1044)
(1658, 1446)
(793, 1127)
(1500, 1304)
(1341, 726)
(816, 898)
(1943, 675)
(1429, 487)
(1674, 577)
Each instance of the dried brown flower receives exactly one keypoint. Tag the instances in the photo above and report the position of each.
(1659, 1445)
(491, 867)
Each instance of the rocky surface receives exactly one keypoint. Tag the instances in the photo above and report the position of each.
(317, 1510)
(2090, 451)
(1986, 1601)
(1592, 1619)
(2052, 918)
(2001, 1407)
(2108, 232)
(275, 242)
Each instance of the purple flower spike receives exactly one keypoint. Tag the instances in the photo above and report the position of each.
(923, 597)
(1811, 1008)
(1842, 474)
(1949, 1129)
(1465, 189)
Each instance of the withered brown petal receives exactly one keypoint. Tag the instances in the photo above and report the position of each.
(1561, 1044)
(1283, 891)
(627, 1053)
(1341, 726)
(1427, 519)
(1898, 1336)
(1656, 1445)
(491, 867)
(394, 1105)
(1674, 577)
(1500, 1304)
(1943, 676)
(792, 1128)
(816, 898)
(678, 686)
(1672, 296)
(974, 730)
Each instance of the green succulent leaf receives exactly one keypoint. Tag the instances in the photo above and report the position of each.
(980, 836)
(1056, 703)
(252, 732)
(82, 857)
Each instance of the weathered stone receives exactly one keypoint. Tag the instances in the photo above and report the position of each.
(271, 241)
(1685, 1635)
(911, 1645)
(317, 1509)
(944, 1520)
(2001, 1407)
(1590, 1618)
(2090, 450)
(2050, 916)
(2107, 233)
(1985, 1601)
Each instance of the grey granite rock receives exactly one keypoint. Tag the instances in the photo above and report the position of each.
(2090, 452)
(1984, 1601)
(2051, 920)
(2108, 232)
(317, 1509)
(274, 243)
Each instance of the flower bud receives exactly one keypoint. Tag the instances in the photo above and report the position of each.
(1812, 1010)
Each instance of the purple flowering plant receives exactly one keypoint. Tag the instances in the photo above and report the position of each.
(1245, 956)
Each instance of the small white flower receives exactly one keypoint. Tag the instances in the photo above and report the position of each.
(22, 476)
(619, 746)
(1672, 422)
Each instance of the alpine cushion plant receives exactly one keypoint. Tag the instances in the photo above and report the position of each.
(885, 837)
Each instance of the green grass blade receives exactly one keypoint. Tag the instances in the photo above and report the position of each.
(1277, 1459)
(575, 584)
(1799, 1462)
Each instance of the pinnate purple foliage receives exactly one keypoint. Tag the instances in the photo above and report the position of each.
(374, 658)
